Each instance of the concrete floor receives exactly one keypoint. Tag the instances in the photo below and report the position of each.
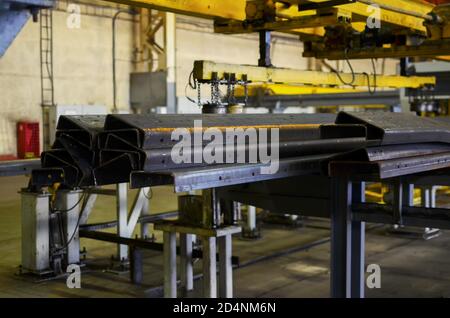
(410, 267)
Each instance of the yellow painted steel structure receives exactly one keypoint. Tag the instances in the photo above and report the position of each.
(206, 71)
(431, 49)
(315, 19)
(210, 9)
(283, 89)
(236, 10)
(291, 18)
(405, 17)
(360, 12)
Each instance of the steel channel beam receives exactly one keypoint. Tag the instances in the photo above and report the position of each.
(160, 159)
(224, 175)
(440, 177)
(391, 152)
(18, 167)
(75, 148)
(411, 216)
(155, 130)
(307, 195)
(427, 49)
(138, 243)
(142, 220)
(389, 98)
(390, 168)
(398, 128)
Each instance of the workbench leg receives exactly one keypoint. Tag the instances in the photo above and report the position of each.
(136, 265)
(225, 267)
(186, 265)
(358, 237)
(211, 208)
(428, 196)
(209, 267)
(428, 200)
(122, 219)
(251, 218)
(341, 229)
(357, 259)
(145, 233)
(408, 195)
(35, 231)
(170, 265)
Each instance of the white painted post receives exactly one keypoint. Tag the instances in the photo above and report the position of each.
(209, 267)
(225, 267)
(122, 218)
(170, 265)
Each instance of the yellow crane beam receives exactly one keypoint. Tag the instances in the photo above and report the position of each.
(296, 24)
(402, 14)
(206, 71)
(407, 13)
(428, 49)
(235, 10)
(209, 9)
(284, 89)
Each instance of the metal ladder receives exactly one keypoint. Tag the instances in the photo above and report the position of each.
(47, 84)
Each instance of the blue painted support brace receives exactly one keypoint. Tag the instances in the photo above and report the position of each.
(11, 23)
(14, 14)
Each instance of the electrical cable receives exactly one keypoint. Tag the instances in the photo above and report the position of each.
(191, 81)
(339, 75)
(52, 208)
(188, 98)
(83, 198)
(374, 90)
(192, 84)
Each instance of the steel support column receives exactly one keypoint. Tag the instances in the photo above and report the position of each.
(358, 236)
(225, 267)
(341, 229)
(209, 267)
(170, 265)
(347, 241)
(35, 231)
(145, 232)
(186, 266)
(69, 202)
(122, 219)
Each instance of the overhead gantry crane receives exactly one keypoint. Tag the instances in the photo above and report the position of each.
(328, 28)
(333, 29)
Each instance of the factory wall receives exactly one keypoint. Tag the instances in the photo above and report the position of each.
(82, 70)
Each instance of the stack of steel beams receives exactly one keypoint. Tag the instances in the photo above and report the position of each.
(402, 144)
(94, 150)
(145, 142)
(75, 150)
